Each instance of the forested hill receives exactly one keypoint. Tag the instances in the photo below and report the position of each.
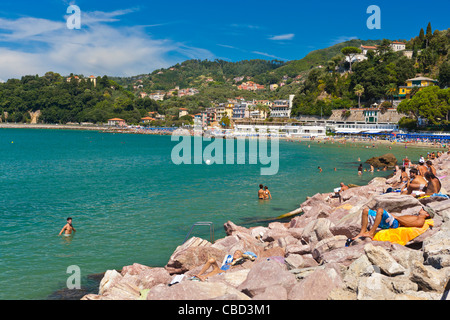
(194, 73)
(321, 81)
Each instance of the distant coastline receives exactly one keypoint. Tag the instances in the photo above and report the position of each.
(52, 126)
(110, 129)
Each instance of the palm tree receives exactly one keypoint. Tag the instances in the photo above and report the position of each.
(262, 109)
(359, 90)
(391, 91)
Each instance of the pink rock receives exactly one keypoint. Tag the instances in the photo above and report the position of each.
(266, 274)
(134, 269)
(317, 285)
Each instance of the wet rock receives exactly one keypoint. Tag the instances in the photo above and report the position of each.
(386, 160)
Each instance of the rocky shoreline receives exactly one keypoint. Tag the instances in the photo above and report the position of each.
(307, 258)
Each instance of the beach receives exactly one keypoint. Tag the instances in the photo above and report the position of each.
(124, 191)
(309, 257)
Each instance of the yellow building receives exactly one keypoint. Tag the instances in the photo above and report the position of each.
(419, 82)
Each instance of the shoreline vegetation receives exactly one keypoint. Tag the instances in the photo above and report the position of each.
(310, 257)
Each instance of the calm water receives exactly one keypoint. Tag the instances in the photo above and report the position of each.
(130, 203)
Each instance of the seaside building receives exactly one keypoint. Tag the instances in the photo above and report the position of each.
(209, 117)
(282, 108)
(224, 109)
(147, 119)
(117, 122)
(357, 120)
(292, 131)
(240, 111)
(404, 92)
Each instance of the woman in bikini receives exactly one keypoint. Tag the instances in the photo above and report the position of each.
(267, 194)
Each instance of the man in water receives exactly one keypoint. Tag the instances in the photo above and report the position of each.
(371, 220)
(261, 193)
(68, 228)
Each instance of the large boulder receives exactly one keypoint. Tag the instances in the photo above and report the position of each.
(195, 290)
(395, 203)
(195, 252)
(317, 285)
(437, 249)
(386, 160)
(265, 274)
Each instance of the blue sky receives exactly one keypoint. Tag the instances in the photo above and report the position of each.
(125, 38)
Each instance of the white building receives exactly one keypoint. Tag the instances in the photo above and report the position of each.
(398, 46)
(280, 131)
(282, 108)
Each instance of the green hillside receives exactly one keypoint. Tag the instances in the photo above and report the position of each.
(321, 82)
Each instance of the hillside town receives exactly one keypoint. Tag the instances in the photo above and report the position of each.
(241, 114)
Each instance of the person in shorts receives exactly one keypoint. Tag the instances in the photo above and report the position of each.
(371, 220)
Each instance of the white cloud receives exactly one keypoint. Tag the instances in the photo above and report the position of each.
(35, 46)
(343, 39)
(269, 55)
(288, 36)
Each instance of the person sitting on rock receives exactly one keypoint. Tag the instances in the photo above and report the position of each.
(371, 220)
(434, 185)
(238, 258)
(416, 185)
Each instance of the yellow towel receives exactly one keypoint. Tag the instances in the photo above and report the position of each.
(402, 235)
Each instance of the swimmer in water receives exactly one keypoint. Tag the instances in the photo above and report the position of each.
(68, 228)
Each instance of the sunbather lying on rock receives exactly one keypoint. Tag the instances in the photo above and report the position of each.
(238, 258)
(371, 220)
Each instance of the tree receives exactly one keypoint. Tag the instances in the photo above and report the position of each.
(359, 91)
(429, 34)
(431, 103)
(391, 91)
(350, 52)
(225, 121)
(444, 75)
(421, 38)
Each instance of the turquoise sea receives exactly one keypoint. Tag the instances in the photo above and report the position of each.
(130, 203)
